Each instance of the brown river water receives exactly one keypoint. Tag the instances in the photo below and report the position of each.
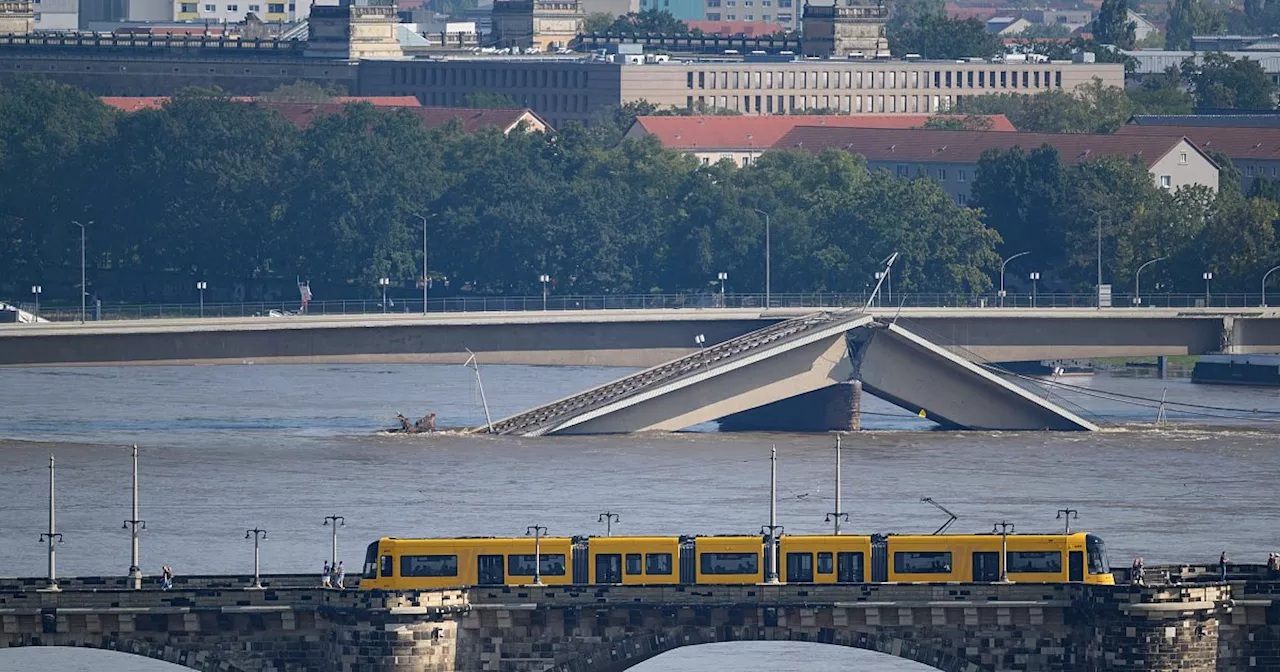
(228, 448)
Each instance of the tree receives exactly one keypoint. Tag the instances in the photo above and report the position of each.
(300, 92)
(1191, 17)
(1161, 94)
(1112, 25)
(488, 100)
(1090, 108)
(649, 21)
(1221, 81)
(911, 12)
(952, 122)
(597, 22)
(940, 37)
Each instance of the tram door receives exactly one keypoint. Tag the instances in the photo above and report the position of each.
(849, 568)
(609, 568)
(986, 566)
(799, 568)
(490, 572)
(1076, 566)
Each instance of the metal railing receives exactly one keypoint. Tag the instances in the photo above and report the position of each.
(578, 302)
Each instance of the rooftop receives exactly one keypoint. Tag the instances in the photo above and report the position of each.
(929, 146)
(1219, 120)
(1235, 142)
(133, 104)
(761, 132)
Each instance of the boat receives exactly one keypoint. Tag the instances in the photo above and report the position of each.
(1262, 370)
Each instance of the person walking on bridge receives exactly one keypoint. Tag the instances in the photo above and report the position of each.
(324, 575)
(338, 577)
(1222, 566)
(166, 578)
(1273, 566)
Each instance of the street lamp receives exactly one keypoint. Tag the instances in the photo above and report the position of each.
(1264, 286)
(1035, 286)
(722, 276)
(337, 520)
(609, 518)
(36, 289)
(537, 531)
(1137, 281)
(424, 261)
(1003, 529)
(202, 285)
(1003, 263)
(768, 270)
(1208, 275)
(135, 565)
(84, 289)
(544, 279)
(1067, 515)
(1098, 297)
(880, 275)
(383, 283)
(258, 535)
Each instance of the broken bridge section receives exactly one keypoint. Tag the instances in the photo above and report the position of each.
(799, 357)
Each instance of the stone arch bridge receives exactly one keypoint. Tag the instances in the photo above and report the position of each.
(958, 627)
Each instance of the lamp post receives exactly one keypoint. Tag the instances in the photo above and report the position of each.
(1264, 286)
(1066, 515)
(202, 285)
(837, 515)
(1098, 297)
(544, 279)
(880, 275)
(1003, 263)
(257, 534)
(84, 290)
(1003, 529)
(1137, 281)
(135, 565)
(52, 536)
(773, 530)
(1208, 276)
(424, 261)
(333, 553)
(768, 270)
(1035, 286)
(537, 531)
(36, 289)
(722, 276)
(608, 518)
(384, 283)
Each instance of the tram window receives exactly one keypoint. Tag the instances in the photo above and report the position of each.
(428, 565)
(633, 564)
(730, 563)
(800, 567)
(1097, 551)
(1035, 562)
(388, 566)
(826, 564)
(922, 562)
(657, 563)
(522, 565)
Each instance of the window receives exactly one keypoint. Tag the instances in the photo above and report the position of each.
(1166, 181)
(1035, 562)
(961, 199)
(766, 17)
(388, 566)
(942, 174)
(428, 565)
(800, 567)
(275, 8)
(749, 17)
(210, 8)
(233, 8)
(522, 565)
(902, 171)
(731, 17)
(730, 563)
(189, 7)
(746, 161)
(657, 563)
(961, 176)
(712, 16)
(1249, 171)
(922, 562)
(826, 564)
(255, 8)
(1097, 551)
(634, 564)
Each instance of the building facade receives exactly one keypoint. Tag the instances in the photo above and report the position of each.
(17, 17)
(842, 32)
(685, 10)
(544, 24)
(1255, 151)
(785, 13)
(235, 11)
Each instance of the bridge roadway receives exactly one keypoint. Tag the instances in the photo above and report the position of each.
(212, 624)
(635, 338)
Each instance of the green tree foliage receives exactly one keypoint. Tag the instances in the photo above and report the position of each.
(951, 122)
(940, 37)
(1112, 25)
(488, 100)
(598, 22)
(649, 21)
(1091, 108)
(911, 12)
(301, 92)
(1221, 81)
(1162, 94)
(1192, 17)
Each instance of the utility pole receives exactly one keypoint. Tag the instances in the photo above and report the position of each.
(257, 534)
(837, 514)
(537, 531)
(52, 536)
(1098, 298)
(608, 519)
(424, 262)
(1003, 529)
(337, 520)
(201, 286)
(773, 529)
(544, 279)
(133, 524)
(768, 262)
(84, 289)
(475, 364)
(1066, 515)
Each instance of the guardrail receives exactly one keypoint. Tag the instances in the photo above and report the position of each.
(576, 302)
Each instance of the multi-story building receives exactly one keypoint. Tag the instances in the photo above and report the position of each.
(234, 11)
(785, 13)
(57, 15)
(854, 30)
(1156, 61)
(573, 89)
(1254, 151)
(951, 157)
(544, 24)
(17, 17)
(685, 10)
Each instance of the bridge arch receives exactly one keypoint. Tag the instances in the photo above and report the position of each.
(623, 654)
(167, 653)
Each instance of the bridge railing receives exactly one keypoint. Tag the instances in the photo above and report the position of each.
(180, 582)
(579, 302)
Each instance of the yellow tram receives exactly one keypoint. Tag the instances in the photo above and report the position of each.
(405, 564)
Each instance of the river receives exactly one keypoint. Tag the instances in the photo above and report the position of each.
(228, 448)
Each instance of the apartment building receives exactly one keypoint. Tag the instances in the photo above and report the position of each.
(951, 157)
(785, 13)
(544, 24)
(234, 11)
(1254, 151)
(572, 89)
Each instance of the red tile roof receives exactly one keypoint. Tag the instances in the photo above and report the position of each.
(713, 132)
(132, 104)
(1237, 143)
(929, 146)
(735, 28)
(302, 114)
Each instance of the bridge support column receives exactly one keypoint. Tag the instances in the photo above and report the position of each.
(832, 408)
(1162, 366)
(1156, 628)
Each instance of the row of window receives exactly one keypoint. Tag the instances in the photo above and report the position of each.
(491, 77)
(962, 175)
(272, 8)
(848, 104)
(939, 562)
(551, 564)
(875, 79)
(637, 564)
(782, 18)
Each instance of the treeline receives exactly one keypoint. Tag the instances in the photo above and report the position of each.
(208, 188)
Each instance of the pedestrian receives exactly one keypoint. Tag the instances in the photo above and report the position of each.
(338, 577)
(1133, 571)
(1222, 566)
(1273, 566)
(166, 578)
(324, 575)
(1142, 572)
